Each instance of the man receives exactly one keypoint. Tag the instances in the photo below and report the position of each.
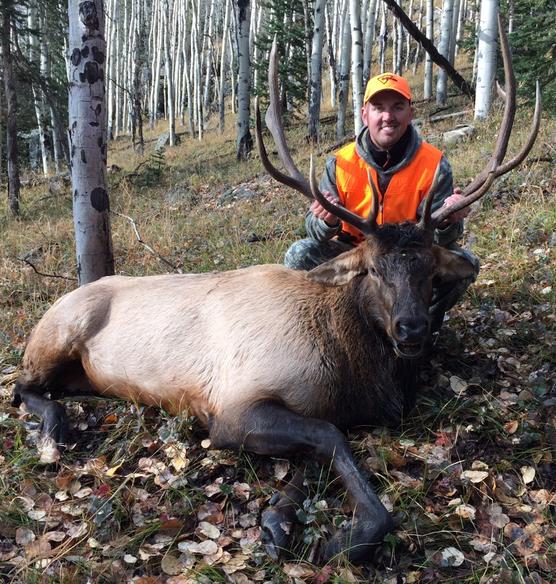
(389, 152)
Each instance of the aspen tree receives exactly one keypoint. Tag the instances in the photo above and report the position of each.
(344, 75)
(486, 62)
(382, 38)
(316, 70)
(444, 50)
(429, 19)
(356, 63)
(36, 56)
(168, 77)
(244, 138)
(369, 39)
(331, 44)
(87, 134)
(11, 109)
(222, 81)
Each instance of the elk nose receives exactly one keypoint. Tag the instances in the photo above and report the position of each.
(411, 330)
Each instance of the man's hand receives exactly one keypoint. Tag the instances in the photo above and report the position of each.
(451, 200)
(319, 211)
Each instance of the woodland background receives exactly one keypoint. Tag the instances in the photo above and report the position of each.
(143, 498)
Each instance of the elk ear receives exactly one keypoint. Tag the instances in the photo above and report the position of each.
(450, 265)
(340, 270)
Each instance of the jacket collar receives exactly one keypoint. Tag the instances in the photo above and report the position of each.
(396, 158)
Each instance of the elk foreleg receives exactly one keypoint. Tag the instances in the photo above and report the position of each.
(278, 519)
(54, 421)
(269, 428)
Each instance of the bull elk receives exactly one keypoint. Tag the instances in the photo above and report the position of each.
(276, 361)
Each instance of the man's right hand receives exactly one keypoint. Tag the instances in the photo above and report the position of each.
(319, 211)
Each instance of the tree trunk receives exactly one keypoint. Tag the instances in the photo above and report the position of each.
(316, 70)
(87, 134)
(11, 122)
(486, 62)
(344, 74)
(444, 50)
(369, 40)
(221, 102)
(427, 88)
(169, 78)
(244, 138)
(356, 63)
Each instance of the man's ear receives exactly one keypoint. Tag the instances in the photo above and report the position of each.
(339, 270)
(451, 266)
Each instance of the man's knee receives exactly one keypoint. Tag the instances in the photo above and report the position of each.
(299, 255)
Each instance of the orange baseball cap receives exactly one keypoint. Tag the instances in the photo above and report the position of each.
(387, 81)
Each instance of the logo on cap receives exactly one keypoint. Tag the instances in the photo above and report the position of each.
(384, 79)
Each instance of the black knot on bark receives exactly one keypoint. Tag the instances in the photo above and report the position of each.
(99, 200)
(88, 15)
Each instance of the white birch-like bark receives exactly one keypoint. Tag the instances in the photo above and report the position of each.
(356, 63)
(244, 138)
(369, 39)
(222, 82)
(343, 75)
(454, 31)
(408, 37)
(168, 77)
(316, 70)
(209, 56)
(444, 49)
(382, 38)
(429, 19)
(36, 56)
(87, 135)
(486, 61)
(331, 44)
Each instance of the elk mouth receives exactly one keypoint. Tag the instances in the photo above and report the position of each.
(408, 350)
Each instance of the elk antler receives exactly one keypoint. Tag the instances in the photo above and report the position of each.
(494, 168)
(294, 178)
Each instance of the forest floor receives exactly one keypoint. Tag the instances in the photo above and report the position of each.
(144, 498)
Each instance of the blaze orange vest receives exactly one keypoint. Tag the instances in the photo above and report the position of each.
(406, 190)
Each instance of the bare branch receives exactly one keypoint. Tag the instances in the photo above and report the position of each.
(146, 245)
(29, 263)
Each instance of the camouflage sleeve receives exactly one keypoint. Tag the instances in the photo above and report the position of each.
(317, 228)
(444, 189)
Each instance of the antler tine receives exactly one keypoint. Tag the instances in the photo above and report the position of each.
(270, 168)
(478, 187)
(507, 119)
(365, 226)
(273, 121)
(425, 222)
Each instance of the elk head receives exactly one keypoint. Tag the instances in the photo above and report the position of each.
(395, 265)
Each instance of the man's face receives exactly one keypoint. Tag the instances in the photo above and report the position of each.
(387, 115)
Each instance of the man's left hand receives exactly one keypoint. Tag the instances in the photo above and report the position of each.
(451, 200)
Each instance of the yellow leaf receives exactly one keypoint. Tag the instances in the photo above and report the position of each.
(527, 474)
(112, 471)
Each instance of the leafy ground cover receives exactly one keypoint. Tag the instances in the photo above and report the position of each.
(142, 497)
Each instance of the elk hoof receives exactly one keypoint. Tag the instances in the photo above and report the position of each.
(358, 540)
(276, 528)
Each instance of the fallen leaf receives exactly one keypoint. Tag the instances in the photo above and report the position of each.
(465, 511)
(511, 427)
(208, 530)
(475, 476)
(281, 469)
(298, 570)
(458, 385)
(24, 536)
(448, 557)
(171, 565)
(527, 474)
